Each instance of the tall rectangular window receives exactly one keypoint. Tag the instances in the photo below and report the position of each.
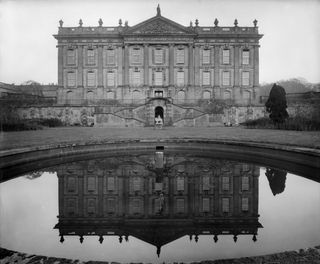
(158, 56)
(111, 205)
(91, 79)
(225, 78)
(180, 205)
(158, 77)
(136, 184)
(136, 76)
(180, 56)
(226, 56)
(180, 184)
(110, 56)
(180, 78)
(245, 78)
(206, 78)
(111, 184)
(91, 56)
(136, 55)
(71, 79)
(225, 183)
(206, 56)
(225, 205)
(91, 184)
(245, 57)
(205, 183)
(110, 79)
(245, 204)
(205, 205)
(245, 183)
(136, 206)
(71, 57)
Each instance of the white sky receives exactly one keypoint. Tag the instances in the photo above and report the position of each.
(290, 46)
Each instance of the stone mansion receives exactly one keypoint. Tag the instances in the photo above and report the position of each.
(130, 74)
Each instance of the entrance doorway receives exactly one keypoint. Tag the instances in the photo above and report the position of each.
(158, 111)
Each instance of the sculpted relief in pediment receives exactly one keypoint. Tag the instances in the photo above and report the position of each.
(158, 27)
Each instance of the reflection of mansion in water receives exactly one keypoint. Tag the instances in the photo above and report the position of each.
(158, 199)
(127, 75)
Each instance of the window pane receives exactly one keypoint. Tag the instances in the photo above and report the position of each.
(225, 56)
(180, 78)
(111, 184)
(91, 56)
(91, 184)
(71, 79)
(206, 56)
(245, 57)
(245, 78)
(136, 78)
(180, 56)
(245, 183)
(180, 205)
(110, 79)
(91, 206)
(158, 56)
(225, 205)
(225, 183)
(110, 56)
(245, 204)
(136, 184)
(71, 58)
(206, 78)
(91, 79)
(136, 55)
(205, 204)
(111, 207)
(158, 78)
(205, 183)
(180, 184)
(226, 78)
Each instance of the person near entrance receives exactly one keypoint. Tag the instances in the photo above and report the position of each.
(158, 122)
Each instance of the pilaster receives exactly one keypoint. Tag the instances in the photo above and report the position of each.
(146, 65)
(171, 65)
(236, 82)
(217, 91)
(80, 66)
(60, 65)
(197, 65)
(126, 64)
(191, 66)
(100, 66)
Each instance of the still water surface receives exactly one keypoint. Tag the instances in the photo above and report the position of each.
(134, 207)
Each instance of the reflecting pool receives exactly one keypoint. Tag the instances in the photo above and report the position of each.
(157, 206)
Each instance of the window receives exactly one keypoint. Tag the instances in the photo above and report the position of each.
(71, 79)
(180, 56)
(227, 95)
(111, 205)
(225, 56)
(91, 78)
(136, 77)
(158, 78)
(136, 206)
(110, 56)
(225, 78)
(245, 183)
(136, 184)
(206, 78)
(245, 78)
(158, 93)
(225, 205)
(180, 184)
(136, 55)
(71, 58)
(206, 95)
(110, 79)
(91, 56)
(91, 184)
(111, 184)
(245, 204)
(206, 183)
(225, 183)
(180, 78)
(245, 57)
(181, 96)
(71, 184)
(158, 56)
(205, 205)
(206, 56)
(91, 206)
(180, 205)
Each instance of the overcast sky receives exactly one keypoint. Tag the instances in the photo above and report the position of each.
(290, 46)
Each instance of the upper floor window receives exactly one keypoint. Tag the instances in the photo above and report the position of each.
(245, 57)
(226, 56)
(91, 56)
(71, 79)
(136, 55)
(206, 78)
(158, 78)
(110, 56)
(205, 205)
(225, 78)
(245, 78)
(245, 204)
(180, 78)
(206, 56)
(245, 183)
(225, 205)
(205, 183)
(180, 184)
(180, 56)
(111, 184)
(91, 78)
(71, 56)
(110, 79)
(225, 183)
(136, 77)
(158, 56)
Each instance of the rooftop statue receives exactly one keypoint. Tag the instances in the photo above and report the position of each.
(61, 22)
(158, 10)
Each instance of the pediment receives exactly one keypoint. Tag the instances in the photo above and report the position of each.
(159, 25)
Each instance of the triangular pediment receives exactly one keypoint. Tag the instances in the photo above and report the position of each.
(159, 25)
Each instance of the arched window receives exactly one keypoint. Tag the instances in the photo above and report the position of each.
(206, 95)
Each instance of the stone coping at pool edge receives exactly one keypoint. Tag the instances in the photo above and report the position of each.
(306, 256)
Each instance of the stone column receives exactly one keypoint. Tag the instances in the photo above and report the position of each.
(191, 66)
(171, 64)
(197, 66)
(100, 66)
(60, 65)
(80, 67)
(146, 65)
(126, 64)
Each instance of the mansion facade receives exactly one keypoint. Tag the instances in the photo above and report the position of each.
(158, 65)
